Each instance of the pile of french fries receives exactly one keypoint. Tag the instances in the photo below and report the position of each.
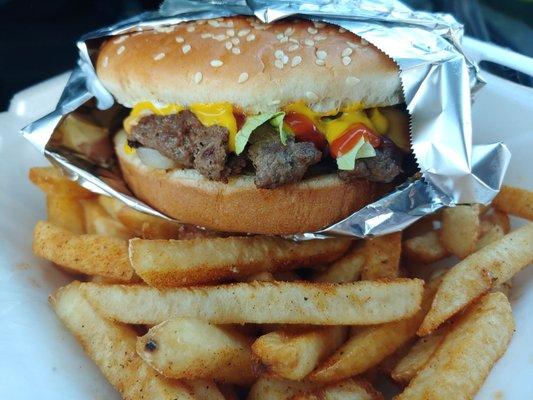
(169, 312)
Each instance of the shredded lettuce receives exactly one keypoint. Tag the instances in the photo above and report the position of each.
(362, 149)
(277, 122)
(253, 122)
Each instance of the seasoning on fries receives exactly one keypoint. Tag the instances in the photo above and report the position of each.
(281, 331)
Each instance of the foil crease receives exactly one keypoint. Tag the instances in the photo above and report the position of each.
(438, 82)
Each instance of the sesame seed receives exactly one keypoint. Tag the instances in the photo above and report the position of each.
(230, 23)
(206, 35)
(284, 39)
(120, 50)
(309, 42)
(321, 54)
(279, 36)
(230, 32)
(120, 39)
(279, 54)
(289, 31)
(186, 48)
(243, 77)
(213, 23)
(243, 32)
(285, 59)
(201, 22)
(342, 30)
(105, 63)
(179, 39)
(352, 45)
(364, 42)
(236, 50)
(312, 31)
(293, 40)
(346, 52)
(191, 28)
(352, 80)
(318, 38)
(319, 61)
(164, 29)
(235, 41)
(311, 96)
(296, 61)
(216, 63)
(293, 47)
(228, 45)
(197, 78)
(346, 60)
(159, 56)
(319, 24)
(278, 64)
(250, 37)
(220, 38)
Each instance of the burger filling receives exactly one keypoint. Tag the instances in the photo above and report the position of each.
(279, 148)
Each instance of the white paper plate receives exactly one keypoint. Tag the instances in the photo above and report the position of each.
(40, 359)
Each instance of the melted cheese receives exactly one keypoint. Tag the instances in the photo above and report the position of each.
(221, 114)
(217, 114)
(335, 127)
(208, 113)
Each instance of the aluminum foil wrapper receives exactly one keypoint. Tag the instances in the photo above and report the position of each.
(438, 84)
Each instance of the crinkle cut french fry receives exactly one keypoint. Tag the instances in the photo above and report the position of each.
(294, 353)
(515, 201)
(416, 357)
(359, 303)
(461, 363)
(52, 181)
(186, 348)
(478, 273)
(112, 347)
(425, 248)
(382, 257)
(171, 263)
(86, 254)
(370, 345)
(65, 212)
(460, 229)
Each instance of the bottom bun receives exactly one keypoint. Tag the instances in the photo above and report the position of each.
(239, 206)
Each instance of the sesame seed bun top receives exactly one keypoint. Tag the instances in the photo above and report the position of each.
(257, 67)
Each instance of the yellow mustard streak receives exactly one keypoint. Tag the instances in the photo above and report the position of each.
(334, 128)
(380, 122)
(128, 149)
(222, 114)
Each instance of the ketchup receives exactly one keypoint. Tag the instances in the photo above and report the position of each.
(239, 118)
(350, 137)
(305, 130)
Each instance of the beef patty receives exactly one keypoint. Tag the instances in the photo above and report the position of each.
(184, 139)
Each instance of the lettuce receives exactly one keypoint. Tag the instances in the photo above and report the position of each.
(252, 123)
(362, 149)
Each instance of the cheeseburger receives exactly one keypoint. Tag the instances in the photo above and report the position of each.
(241, 126)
